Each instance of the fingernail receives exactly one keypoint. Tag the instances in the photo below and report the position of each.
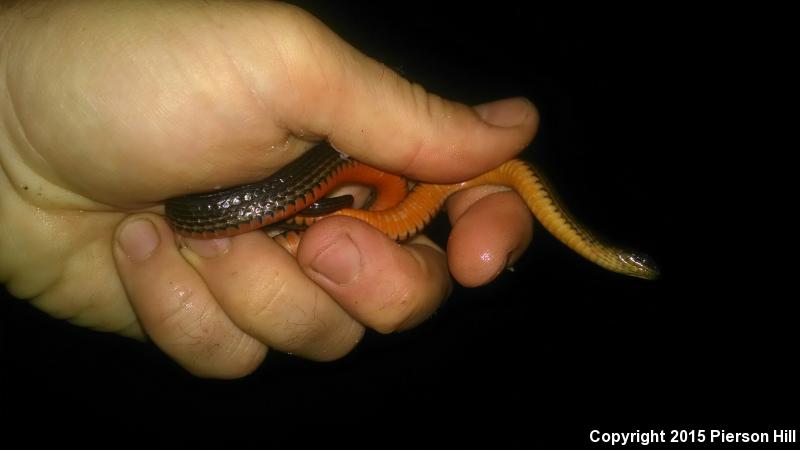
(510, 260)
(340, 262)
(138, 239)
(207, 248)
(505, 113)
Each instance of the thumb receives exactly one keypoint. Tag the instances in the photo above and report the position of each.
(368, 111)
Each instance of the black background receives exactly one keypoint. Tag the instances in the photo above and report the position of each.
(635, 135)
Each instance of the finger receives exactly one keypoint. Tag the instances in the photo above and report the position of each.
(174, 306)
(262, 289)
(385, 286)
(492, 227)
(370, 112)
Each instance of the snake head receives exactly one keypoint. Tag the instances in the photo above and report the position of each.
(638, 265)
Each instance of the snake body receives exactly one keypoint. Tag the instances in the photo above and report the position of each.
(400, 214)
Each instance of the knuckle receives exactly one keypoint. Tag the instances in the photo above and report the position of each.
(284, 314)
(201, 339)
(235, 359)
(263, 296)
(181, 317)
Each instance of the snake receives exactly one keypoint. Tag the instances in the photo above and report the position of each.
(294, 197)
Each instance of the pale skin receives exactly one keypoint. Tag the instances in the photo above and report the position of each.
(109, 108)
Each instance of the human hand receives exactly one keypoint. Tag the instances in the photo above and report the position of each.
(110, 108)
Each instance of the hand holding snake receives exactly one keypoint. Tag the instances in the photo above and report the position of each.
(147, 101)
